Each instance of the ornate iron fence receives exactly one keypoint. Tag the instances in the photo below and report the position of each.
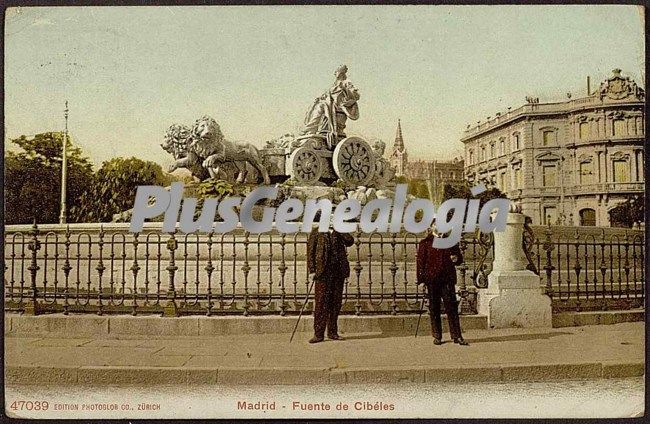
(89, 269)
(587, 270)
(80, 269)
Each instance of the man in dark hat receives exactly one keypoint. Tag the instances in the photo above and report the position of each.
(327, 259)
(436, 270)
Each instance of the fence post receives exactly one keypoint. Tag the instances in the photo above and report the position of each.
(66, 271)
(283, 270)
(209, 268)
(603, 269)
(171, 310)
(32, 307)
(467, 303)
(357, 271)
(100, 271)
(393, 273)
(548, 246)
(246, 269)
(135, 268)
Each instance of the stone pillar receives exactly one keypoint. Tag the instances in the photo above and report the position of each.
(635, 167)
(514, 296)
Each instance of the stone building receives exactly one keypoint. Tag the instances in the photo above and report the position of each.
(568, 162)
(437, 172)
(418, 169)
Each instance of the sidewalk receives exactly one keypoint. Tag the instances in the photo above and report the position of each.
(601, 351)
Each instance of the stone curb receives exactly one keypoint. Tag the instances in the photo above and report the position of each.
(577, 319)
(116, 375)
(124, 325)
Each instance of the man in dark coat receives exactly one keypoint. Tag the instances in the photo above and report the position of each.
(327, 259)
(436, 270)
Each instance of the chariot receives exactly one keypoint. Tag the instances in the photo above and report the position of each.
(314, 159)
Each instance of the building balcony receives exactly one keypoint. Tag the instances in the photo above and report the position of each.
(614, 139)
(635, 187)
(579, 189)
(588, 188)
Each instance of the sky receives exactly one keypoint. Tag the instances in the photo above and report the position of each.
(130, 72)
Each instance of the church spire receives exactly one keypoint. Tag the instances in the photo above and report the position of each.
(399, 140)
(399, 157)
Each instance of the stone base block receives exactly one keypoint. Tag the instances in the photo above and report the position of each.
(515, 299)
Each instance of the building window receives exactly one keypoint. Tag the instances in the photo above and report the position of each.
(503, 183)
(547, 138)
(517, 144)
(621, 171)
(502, 147)
(586, 173)
(518, 178)
(550, 215)
(619, 127)
(492, 150)
(470, 157)
(548, 175)
(482, 157)
(584, 131)
(587, 217)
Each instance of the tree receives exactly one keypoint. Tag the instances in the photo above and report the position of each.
(463, 191)
(418, 188)
(628, 213)
(114, 186)
(415, 186)
(212, 188)
(401, 179)
(33, 178)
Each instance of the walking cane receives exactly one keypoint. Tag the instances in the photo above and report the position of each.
(417, 327)
(301, 311)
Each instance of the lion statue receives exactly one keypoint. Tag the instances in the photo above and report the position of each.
(206, 146)
(176, 141)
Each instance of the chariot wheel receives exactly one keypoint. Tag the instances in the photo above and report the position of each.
(354, 161)
(305, 165)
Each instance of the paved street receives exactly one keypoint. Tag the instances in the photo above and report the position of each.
(494, 355)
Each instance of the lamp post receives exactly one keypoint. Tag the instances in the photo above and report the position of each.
(64, 169)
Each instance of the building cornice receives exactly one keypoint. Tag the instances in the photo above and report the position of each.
(615, 91)
(544, 109)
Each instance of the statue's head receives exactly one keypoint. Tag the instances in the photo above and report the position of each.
(206, 128)
(379, 147)
(176, 139)
(341, 72)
